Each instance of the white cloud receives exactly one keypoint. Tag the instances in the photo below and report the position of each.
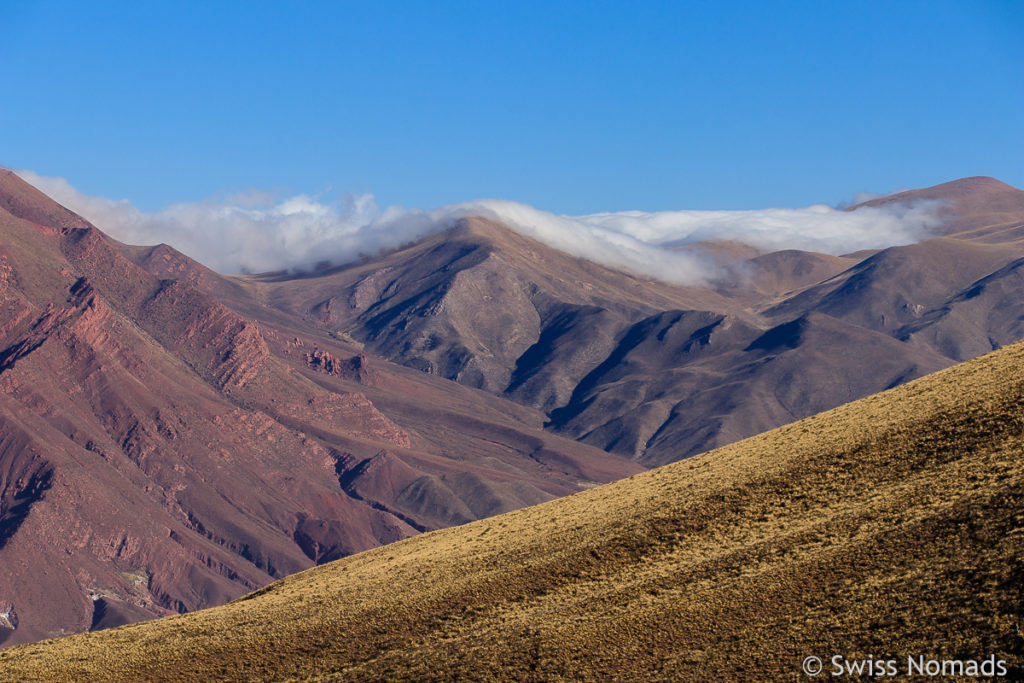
(255, 233)
(813, 228)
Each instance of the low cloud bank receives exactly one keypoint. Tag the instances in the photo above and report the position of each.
(256, 233)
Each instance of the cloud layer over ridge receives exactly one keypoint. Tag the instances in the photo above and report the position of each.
(256, 233)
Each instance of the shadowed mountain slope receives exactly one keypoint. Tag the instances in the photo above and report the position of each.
(655, 372)
(886, 528)
(672, 391)
(160, 452)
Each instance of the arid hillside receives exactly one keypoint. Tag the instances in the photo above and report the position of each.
(161, 452)
(888, 528)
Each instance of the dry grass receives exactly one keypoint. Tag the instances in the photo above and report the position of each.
(889, 527)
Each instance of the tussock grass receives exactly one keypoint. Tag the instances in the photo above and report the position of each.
(889, 527)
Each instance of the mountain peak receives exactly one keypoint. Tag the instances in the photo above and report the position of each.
(978, 207)
(973, 190)
(485, 230)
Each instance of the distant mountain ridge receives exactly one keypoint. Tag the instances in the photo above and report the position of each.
(613, 359)
(979, 208)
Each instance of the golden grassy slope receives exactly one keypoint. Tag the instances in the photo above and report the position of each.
(889, 527)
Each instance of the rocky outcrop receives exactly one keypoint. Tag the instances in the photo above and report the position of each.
(333, 412)
(357, 368)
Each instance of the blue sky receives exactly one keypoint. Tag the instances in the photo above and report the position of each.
(574, 107)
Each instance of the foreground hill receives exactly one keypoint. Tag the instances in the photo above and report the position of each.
(889, 528)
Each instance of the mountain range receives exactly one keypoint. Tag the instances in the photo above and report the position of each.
(172, 438)
(880, 536)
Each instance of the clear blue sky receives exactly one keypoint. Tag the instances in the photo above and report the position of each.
(572, 107)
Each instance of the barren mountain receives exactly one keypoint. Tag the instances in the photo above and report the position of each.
(889, 529)
(160, 452)
(978, 208)
(468, 303)
(657, 373)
